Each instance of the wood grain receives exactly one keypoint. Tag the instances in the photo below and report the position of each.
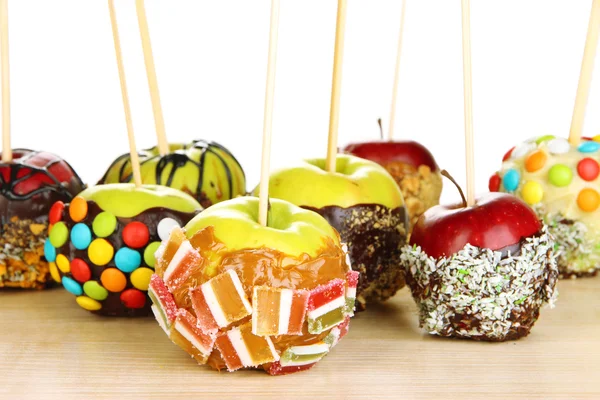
(51, 348)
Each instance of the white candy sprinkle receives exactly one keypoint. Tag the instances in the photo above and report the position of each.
(559, 146)
(523, 149)
(165, 226)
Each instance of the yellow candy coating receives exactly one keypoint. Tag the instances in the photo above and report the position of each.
(88, 304)
(532, 192)
(100, 252)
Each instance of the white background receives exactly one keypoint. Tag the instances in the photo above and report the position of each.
(211, 64)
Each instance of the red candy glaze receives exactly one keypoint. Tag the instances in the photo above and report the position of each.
(497, 220)
(494, 184)
(588, 169)
(136, 235)
(133, 298)
(80, 270)
(383, 152)
(507, 155)
(55, 214)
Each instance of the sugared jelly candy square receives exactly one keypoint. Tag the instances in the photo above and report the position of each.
(278, 311)
(303, 355)
(352, 283)
(220, 301)
(183, 263)
(326, 306)
(164, 307)
(186, 328)
(337, 333)
(277, 369)
(240, 348)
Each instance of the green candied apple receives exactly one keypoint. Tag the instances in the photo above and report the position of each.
(205, 170)
(362, 201)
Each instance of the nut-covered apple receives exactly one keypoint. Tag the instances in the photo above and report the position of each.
(236, 294)
(481, 272)
(362, 201)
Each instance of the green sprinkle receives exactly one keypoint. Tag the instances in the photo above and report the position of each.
(521, 300)
(460, 278)
(463, 271)
(498, 288)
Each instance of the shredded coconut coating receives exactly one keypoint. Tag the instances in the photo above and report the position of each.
(479, 293)
(577, 254)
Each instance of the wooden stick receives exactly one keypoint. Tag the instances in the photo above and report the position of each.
(397, 74)
(468, 95)
(263, 202)
(334, 112)
(159, 121)
(135, 162)
(585, 76)
(6, 146)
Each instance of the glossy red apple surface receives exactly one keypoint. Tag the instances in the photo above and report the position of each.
(383, 152)
(497, 220)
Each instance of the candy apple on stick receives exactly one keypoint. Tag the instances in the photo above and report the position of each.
(482, 269)
(204, 169)
(30, 182)
(101, 245)
(358, 198)
(560, 178)
(253, 283)
(410, 163)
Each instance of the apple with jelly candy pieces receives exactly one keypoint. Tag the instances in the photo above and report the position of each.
(101, 245)
(411, 165)
(205, 170)
(29, 184)
(364, 204)
(481, 272)
(236, 294)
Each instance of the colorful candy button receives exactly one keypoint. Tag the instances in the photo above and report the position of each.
(63, 263)
(95, 290)
(165, 226)
(88, 304)
(80, 270)
(511, 180)
(59, 234)
(535, 161)
(56, 211)
(544, 138)
(508, 154)
(136, 235)
(54, 272)
(127, 260)
(104, 224)
(100, 252)
(140, 278)
(559, 146)
(72, 286)
(81, 236)
(596, 138)
(588, 200)
(78, 209)
(113, 280)
(133, 298)
(49, 251)
(494, 184)
(588, 169)
(149, 252)
(560, 175)
(589, 147)
(532, 192)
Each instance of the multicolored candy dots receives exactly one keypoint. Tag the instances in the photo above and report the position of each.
(549, 160)
(99, 272)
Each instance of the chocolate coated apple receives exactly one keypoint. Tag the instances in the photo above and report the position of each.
(413, 167)
(364, 204)
(29, 185)
(481, 272)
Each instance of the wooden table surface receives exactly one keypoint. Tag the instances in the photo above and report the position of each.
(50, 348)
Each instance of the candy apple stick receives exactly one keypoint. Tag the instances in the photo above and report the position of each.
(135, 162)
(334, 113)
(6, 146)
(263, 205)
(585, 76)
(468, 95)
(159, 121)
(397, 73)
